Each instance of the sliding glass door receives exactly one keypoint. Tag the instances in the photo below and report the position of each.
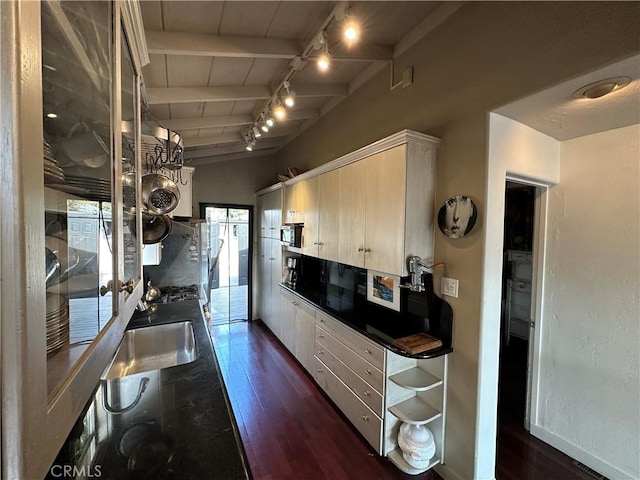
(229, 230)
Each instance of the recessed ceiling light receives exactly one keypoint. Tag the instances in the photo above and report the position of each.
(601, 88)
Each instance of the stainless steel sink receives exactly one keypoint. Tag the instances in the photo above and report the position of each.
(153, 348)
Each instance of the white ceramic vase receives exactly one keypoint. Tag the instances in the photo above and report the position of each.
(417, 444)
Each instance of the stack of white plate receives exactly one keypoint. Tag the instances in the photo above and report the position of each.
(57, 322)
(98, 188)
(52, 171)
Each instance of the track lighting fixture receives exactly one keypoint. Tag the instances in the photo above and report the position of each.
(279, 110)
(289, 97)
(350, 31)
(270, 121)
(317, 50)
(250, 141)
(324, 59)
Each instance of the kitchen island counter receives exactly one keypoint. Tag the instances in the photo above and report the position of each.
(171, 423)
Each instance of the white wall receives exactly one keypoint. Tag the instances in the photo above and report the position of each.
(518, 152)
(589, 390)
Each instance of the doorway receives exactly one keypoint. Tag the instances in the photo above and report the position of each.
(516, 326)
(229, 232)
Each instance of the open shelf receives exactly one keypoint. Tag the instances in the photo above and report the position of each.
(398, 460)
(414, 411)
(416, 379)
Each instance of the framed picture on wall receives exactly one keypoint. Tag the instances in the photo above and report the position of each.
(383, 289)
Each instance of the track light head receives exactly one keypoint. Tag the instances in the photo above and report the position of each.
(324, 59)
(269, 121)
(289, 96)
(256, 132)
(351, 31)
(279, 111)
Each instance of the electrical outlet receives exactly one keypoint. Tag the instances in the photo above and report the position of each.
(449, 286)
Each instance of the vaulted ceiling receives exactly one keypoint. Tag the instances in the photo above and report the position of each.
(215, 66)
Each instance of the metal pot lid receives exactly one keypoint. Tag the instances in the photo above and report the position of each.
(155, 228)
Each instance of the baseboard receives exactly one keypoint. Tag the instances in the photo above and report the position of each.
(579, 454)
(445, 472)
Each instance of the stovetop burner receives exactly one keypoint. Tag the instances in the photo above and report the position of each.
(178, 293)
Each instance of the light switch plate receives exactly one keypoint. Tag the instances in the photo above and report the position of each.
(449, 286)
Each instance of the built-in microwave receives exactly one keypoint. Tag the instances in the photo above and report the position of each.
(291, 235)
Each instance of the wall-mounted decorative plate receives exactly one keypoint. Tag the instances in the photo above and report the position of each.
(457, 216)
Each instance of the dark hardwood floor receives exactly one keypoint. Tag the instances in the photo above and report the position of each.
(291, 430)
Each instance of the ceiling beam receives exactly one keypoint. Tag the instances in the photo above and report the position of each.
(202, 44)
(320, 90)
(160, 95)
(259, 148)
(198, 141)
(180, 124)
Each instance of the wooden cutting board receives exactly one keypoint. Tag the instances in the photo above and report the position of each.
(418, 343)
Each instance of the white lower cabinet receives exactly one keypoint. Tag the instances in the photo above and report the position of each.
(350, 369)
(296, 334)
(416, 395)
(375, 388)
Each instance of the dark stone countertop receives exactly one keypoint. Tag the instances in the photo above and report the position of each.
(182, 426)
(376, 324)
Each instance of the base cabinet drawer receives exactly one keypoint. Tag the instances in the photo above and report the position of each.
(361, 416)
(365, 370)
(362, 389)
(371, 352)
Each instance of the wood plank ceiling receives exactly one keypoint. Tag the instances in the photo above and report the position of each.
(216, 65)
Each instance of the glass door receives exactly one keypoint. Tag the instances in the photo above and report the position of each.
(229, 231)
(77, 57)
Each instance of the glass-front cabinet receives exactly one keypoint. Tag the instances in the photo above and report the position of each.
(71, 262)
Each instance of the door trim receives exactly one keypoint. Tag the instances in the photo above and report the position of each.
(537, 294)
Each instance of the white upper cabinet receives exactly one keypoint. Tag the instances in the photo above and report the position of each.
(294, 203)
(72, 132)
(384, 216)
(351, 214)
(310, 190)
(329, 215)
(372, 208)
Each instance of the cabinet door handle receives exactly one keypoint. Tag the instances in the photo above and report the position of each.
(361, 249)
(319, 370)
(321, 320)
(365, 418)
(367, 393)
(320, 336)
(321, 352)
(367, 371)
(367, 250)
(367, 351)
